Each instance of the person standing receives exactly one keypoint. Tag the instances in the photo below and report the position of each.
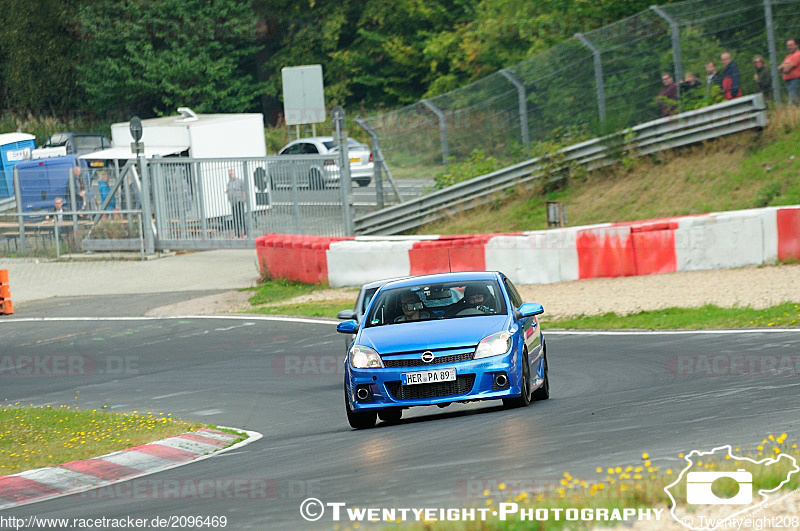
(731, 81)
(762, 77)
(237, 195)
(668, 97)
(713, 79)
(790, 68)
(105, 189)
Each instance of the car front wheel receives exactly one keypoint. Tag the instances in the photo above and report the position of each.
(524, 397)
(360, 420)
(543, 392)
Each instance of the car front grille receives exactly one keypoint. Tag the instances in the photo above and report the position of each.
(462, 384)
(417, 362)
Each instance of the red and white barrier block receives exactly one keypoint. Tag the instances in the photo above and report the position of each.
(688, 243)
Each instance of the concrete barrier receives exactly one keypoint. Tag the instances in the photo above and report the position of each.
(689, 243)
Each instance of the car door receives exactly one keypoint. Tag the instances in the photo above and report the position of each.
(530, 326)
(280, 173)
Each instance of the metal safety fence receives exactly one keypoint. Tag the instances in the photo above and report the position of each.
(598, 82)
(195, 206)
(725, 118)
(192, 204)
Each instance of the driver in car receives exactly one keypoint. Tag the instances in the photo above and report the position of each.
(479, 297)
(412, 308)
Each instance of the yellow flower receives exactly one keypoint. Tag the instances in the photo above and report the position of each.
(645, 456)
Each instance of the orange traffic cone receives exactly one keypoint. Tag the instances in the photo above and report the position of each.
(6, 306)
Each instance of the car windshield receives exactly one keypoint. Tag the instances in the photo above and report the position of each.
(448, 300)
(351, 144)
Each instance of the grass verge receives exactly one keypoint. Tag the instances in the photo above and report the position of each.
(704, 317)
(637, 484)
(273, 298)
(34, 437)
(276, 290)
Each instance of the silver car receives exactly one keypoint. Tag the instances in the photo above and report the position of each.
(322, 174)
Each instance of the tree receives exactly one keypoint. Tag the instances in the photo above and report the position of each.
(150, 57)
(38, 55)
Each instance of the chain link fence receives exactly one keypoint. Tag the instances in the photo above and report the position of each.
(593, 84)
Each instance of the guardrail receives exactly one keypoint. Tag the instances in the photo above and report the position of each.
(686, 128)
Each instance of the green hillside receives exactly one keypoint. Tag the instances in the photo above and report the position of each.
(747, 170)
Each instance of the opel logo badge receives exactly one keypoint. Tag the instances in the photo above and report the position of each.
(427, 356)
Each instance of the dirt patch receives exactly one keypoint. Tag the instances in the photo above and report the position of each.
(324, 295)
(227, 302)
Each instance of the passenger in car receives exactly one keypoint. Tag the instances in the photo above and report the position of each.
(478, 296)
(412, 308)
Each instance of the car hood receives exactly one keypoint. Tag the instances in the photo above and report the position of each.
(430, 335)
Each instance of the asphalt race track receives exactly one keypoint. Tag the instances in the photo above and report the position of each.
(614, 396)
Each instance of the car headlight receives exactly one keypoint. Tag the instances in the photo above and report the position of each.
(493, 345)
(365, 358)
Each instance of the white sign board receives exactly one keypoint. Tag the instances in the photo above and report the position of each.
(303, 94)
(18, 154)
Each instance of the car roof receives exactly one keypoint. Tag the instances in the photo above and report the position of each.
(379, 283)
(320, 139)
(443, 277)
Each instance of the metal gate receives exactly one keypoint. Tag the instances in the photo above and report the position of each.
(190, 206)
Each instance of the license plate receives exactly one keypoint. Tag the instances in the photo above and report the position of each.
(355, 159)
(423, 377)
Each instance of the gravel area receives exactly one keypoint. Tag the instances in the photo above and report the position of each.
(755, 287)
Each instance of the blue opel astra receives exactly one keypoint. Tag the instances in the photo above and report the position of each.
(438, 339)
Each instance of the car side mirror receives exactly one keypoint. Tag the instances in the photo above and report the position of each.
(529, 309)
(347, 327)
(347, 314)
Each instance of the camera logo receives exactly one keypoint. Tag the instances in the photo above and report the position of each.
(699, 487)
(712, 498)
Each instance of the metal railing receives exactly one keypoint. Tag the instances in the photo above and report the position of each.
(666, 133)
(604, 79)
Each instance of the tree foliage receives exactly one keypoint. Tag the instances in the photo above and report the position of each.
(119, 57)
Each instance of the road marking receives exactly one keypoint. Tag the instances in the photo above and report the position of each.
(183, 393)
(334, 321)
(667, 332)
(220, 317)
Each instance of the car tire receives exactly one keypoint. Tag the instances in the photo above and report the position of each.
(363, 182)
(390, 414)
(360, 420)
(543, 392)
(315, 181)
(524, 397)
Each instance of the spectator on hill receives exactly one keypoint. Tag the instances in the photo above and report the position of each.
(762, 77)
(731, 81)
(668, 97)
(689, 83)
(712, 77)
(790, 68)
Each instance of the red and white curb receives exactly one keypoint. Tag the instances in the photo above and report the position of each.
(78, 476)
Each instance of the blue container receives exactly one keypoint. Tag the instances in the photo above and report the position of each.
(14, 148)
(41, 181)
